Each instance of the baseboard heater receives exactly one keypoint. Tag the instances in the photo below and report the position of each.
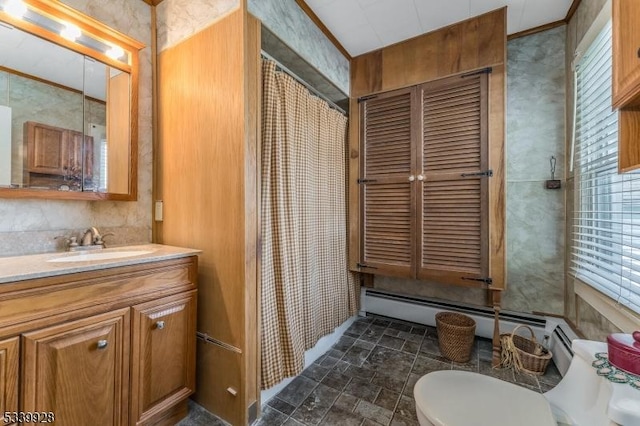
(553, 332)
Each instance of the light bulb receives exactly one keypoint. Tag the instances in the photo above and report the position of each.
(15, 8)
(70, 32)
(115, 52)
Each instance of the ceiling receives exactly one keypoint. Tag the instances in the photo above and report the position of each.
(361, 26)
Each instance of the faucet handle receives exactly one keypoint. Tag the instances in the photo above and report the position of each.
(70, 240)
(99, 240)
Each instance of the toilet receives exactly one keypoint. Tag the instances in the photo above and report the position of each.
(582, 398)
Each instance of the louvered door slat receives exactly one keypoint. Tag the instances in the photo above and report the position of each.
(452, 208)
(388, 215)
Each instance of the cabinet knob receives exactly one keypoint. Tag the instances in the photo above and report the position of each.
(420, 177)
(160, 325)
(412, 178)
(102, 344)
(638, 53)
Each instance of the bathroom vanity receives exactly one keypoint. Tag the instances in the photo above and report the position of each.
(107, 339)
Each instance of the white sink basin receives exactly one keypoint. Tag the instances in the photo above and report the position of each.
(101, 255)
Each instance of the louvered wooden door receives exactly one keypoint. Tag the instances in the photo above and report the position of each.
(387, 184)
(453, 201)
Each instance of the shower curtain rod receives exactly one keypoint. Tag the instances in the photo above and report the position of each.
(301, 81)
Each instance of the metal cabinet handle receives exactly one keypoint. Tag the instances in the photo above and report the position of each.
(420, 177)
(102, 344)
(412, 178)
(160, 325)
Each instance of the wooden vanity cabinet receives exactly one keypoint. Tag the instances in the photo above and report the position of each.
(78, 370)
(106, 347)
(626, 53)
(163, 354)
(8, 377)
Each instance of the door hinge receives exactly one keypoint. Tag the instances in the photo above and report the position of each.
(361, 181)
(362, 265)
(487, 281)
(487, 173)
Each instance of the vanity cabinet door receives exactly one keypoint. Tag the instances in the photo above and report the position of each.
(79, 370)
(8, 379)
(163, 355)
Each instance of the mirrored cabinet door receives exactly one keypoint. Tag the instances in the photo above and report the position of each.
(66, 105)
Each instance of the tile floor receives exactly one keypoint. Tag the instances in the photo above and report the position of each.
(367, 378)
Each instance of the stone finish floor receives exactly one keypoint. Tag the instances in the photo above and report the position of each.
(367, 378)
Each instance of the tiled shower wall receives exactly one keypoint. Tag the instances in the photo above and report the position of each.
(28, 226)
(535, 215)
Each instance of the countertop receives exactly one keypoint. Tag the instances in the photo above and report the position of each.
(19, 268)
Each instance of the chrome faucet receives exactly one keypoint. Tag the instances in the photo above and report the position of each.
(91, 240)
(90, 237)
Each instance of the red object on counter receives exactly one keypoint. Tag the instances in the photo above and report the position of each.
(624, 351)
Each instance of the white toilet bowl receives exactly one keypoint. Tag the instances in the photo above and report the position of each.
(582, 398)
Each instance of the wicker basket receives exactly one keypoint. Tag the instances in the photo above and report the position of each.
(524, 354)
(455, 335)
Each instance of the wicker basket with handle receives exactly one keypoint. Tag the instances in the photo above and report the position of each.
(455, 335)
(524, 354)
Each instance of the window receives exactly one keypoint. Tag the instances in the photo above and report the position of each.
(606, 222)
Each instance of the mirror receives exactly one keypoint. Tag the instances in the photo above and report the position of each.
(66, 125)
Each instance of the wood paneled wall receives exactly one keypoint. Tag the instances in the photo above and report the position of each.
(208, 177)
(466, 46)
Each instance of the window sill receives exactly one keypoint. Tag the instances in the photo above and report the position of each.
(622, 317)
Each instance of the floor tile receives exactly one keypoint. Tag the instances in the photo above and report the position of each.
(430, 345)
(346, 402)
(389, 382)
(400, 326)
(360, 372)
(316, 372)
(316, 405)
(389, 361)
(486, 368)
(356, 356)
(280, 405)
(406, 407)
(374, 412)
(424, 365)
(292, 422)
(336, 380)
(344, 343)
(198, 416)
(364, 344)
(391, 342)
(335, 353)
(297, 391)
(413, 337)
(381, 322)
(341, 366)
(391, 332)
(387, 399)
(411, 347)
(403, 421)
(271, 417)
(362, 389)
(338, 416)
(411, 383)
(329, 361)
(358, 328)
(373, 334)
(551, 375)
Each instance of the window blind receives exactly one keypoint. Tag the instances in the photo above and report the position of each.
(606, 221)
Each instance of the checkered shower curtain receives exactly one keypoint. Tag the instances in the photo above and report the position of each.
(307, 289)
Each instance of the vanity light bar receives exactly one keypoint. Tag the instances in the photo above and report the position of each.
(71, 32)
(29, 12)
(15, 8)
